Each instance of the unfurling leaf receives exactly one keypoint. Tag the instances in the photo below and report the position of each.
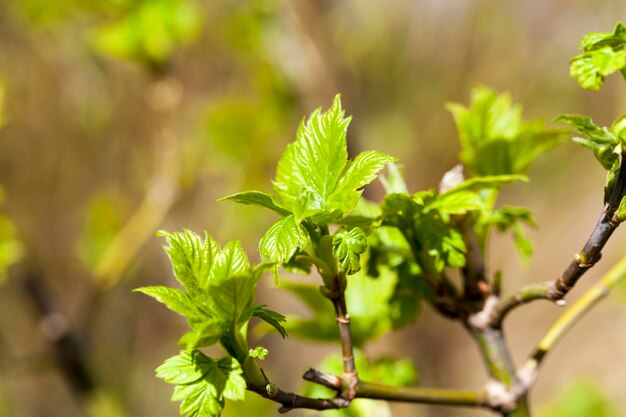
(347, 248)
(271, 317)
(259, 352)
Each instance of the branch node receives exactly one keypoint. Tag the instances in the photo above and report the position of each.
(499, 397)
(483, 319)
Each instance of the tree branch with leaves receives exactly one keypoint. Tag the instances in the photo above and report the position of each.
(378, 262)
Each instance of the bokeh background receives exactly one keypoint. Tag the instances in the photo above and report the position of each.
(124, 117)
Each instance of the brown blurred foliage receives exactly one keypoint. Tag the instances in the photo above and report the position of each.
(103, 148)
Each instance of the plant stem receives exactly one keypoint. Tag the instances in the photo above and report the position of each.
(572, 315)
(421, 395)
(524, 295)
(343, 321)
(584, 260)
(370, 390)
(495, 353)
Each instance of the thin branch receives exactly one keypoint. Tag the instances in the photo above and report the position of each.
(370, 390)
(422, 395)
(290, 400)
(343, 321)
(524, 295)
(571, 316)
(583, 260)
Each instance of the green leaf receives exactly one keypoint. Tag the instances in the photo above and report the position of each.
(257, 198)
(149, 32)
(347, 248)
(259, 352)
(494, 138)
(457, 202)
(394, 181)
(202, 383)
(603, 54)
(176, 300)
(205, 333)
(511, 218)
(477, 184)
(601, 140)
(232, 260)
(358, 173)
(192, 258)
(282, 240)
(314, 178)
(272, 318)
(232, 299)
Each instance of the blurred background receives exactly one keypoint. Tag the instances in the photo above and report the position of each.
(123, 117)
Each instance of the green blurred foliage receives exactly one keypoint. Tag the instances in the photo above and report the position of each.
(582, 399)
(104, 216)
(150, 31)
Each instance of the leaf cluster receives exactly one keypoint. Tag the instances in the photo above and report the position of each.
(218, 303)
(603, 54)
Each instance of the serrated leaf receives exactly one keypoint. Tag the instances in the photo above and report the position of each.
(184, 368)
(272, 318)
(257, 198)
(603, 54)
(317, 158)
(282, 240)
(202, 383)
(192, 258)
(176, 300)
(358, 173)
(348, 247)
(314, 178)
(232, 260)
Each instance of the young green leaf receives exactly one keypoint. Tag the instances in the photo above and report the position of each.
(603, 54)
(314, 178)
(258, 352)
(272, 318)
(394, 182)
(494, 138)
(348, 247)
(176, 300)
(282, 240)
(601, 140)
(257, 198)
(232, 260)
(232, 299)
(203, 383)
(205, 333)
(192, 258)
